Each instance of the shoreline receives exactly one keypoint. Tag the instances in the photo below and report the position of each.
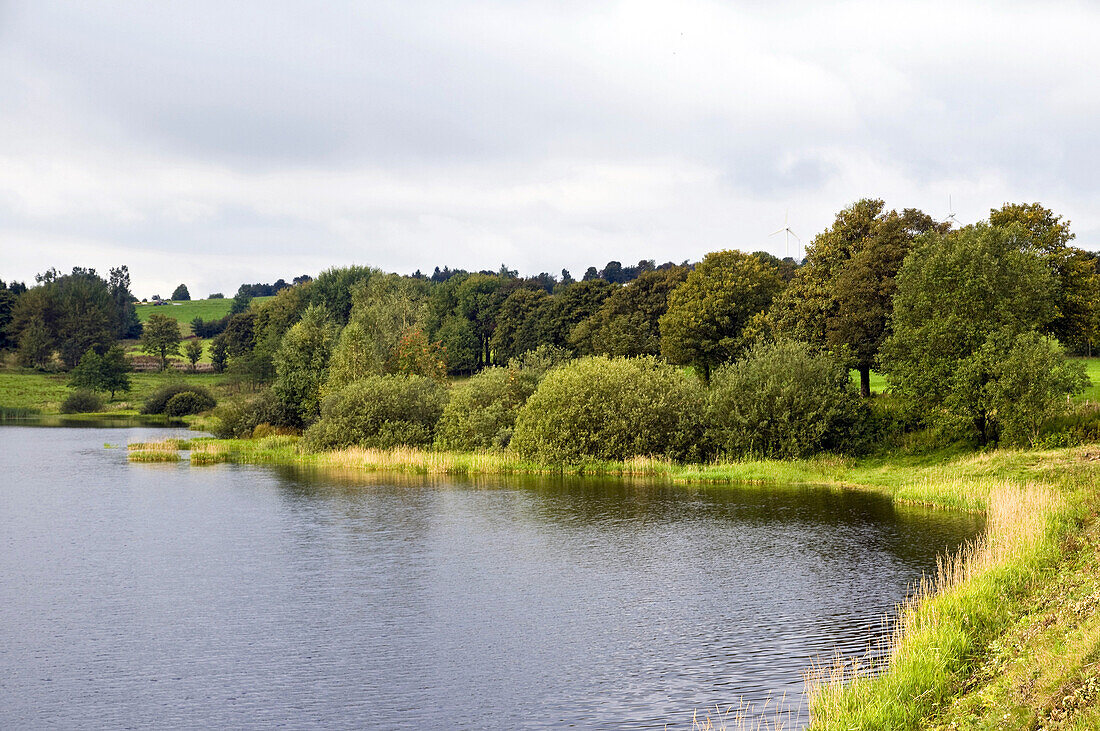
(955, 658)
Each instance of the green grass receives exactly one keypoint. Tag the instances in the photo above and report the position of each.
(185, 312)
(44, 392)
(133, 347)
(1092, 368)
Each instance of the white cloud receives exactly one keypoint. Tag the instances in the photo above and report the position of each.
(221, 143)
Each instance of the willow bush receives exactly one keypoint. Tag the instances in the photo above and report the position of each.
(786, 401)
(481, 413)
(379, 411)
(612, 408)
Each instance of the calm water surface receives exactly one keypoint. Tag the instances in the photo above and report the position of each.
(136, 596)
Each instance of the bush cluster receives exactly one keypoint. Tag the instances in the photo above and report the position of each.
(157, 403)
(186, 403)
(81, 402)
(612, 408)
(481, 413)
(784, 401)
(240, 418)
(379, 411)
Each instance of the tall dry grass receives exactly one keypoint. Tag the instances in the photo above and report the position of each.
(411, 459)
(772, 715)
(170, 443)
(932, 622)
(165, 450)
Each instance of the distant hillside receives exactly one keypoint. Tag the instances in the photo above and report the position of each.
(185, 312)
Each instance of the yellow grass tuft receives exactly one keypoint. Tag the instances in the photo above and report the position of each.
(171, 443)
(208, 452)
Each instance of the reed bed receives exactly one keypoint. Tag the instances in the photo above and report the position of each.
(209, 452)
(153, 455)
(14, 413)
(425, 461)
(172, 443)
(164, 450)
(944, 623)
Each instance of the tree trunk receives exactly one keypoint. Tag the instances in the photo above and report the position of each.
(865, 381)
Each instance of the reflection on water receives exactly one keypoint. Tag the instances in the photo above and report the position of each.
(138, 595)
(99, 421)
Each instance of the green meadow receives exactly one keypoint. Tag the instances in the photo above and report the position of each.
(185, 312)
(44, 392)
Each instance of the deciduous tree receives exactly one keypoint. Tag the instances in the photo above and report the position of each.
(161, 337)
(842, 296)
(956, 294)
(109, 372)
(193, 352)
(707, 314)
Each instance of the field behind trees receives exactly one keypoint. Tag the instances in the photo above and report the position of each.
(185, 312)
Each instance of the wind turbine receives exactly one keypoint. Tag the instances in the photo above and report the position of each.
(787, 238)
(951, 212)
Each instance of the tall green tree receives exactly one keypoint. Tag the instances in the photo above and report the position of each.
(301, 364)
(955, 293)
(521, 323)
(842, 296)
(36, 344)
(193, 352)
(707, 314)
(388, 307)
(1048, 236)
(573, 305)
(180, 293)
(7, 308)
(161, 337)
(332, 289)
(1011, 386)
(628, 322)
(109, 372)
(479, 298)
(460, 344)
(88, 315)
(127, 324)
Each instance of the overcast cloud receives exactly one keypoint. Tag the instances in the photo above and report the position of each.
(215, 143)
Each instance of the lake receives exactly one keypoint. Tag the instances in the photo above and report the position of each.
(173, 596)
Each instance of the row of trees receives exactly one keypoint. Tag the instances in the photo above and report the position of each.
(939, 311)
(69, 314)
(951, 316)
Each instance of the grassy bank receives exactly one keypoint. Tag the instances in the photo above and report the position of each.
(1006, 635)
(37, 392)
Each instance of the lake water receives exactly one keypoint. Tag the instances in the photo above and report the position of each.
(171, 596)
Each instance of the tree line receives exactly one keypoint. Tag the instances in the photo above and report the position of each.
(959, 320)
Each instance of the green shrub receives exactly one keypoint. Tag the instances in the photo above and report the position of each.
(157, 402)
(81, 402)
(239, 418)
(611, 408)
(379, 411)
(186, 403)
(1080, 426)
(785, 401)
(481, 413)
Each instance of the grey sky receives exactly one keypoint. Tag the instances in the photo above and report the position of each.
(215, 143)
